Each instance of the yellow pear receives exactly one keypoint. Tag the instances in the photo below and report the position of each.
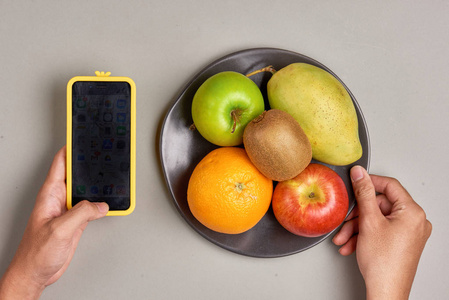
(323, 108)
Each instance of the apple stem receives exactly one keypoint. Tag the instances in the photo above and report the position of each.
(266, 69)
(312, 195)
(235, 117)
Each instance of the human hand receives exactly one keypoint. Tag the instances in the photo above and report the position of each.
(388, 231)
(50, 238)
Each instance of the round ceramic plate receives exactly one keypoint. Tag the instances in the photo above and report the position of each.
(181, 149)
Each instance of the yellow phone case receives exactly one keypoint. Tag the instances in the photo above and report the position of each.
(102, 76)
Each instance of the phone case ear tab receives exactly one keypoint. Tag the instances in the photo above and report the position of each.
(102, 74)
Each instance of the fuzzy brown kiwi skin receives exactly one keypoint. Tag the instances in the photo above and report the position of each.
(277, 145)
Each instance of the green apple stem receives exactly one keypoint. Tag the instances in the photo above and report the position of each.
(266, 69)
(235, 114)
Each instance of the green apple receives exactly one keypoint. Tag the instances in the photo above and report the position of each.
(223, 105)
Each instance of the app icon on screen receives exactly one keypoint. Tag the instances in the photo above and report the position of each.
(94, 190)
(94, 115)
(107, 144)
(94, 130)
(94, 103)
(82, 118)
(107, 131)
(120, 190)
(107, 117)
(94, 155)
(121, 117)
(121, 130)
(81, 102)
(121, 144)
(80, 141)
(121, 103)
(93, 144)
(107, 189)
(80, 189)
(108, 103)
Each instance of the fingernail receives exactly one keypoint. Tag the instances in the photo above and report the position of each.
(102, 206)
(333, 240)
(356, 173)
(336, 237)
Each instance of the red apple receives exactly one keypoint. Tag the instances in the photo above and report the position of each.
(313, 203)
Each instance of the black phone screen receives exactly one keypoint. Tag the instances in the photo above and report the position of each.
(101, 143)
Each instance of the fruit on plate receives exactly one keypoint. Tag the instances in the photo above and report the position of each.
(277, 146)
(223, 105)
(323, 108)
(227, 193)
(313, 203)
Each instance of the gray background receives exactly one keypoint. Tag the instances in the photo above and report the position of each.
(392, 55)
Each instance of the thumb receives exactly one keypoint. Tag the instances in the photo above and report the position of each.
(364, 191)
(79, 215)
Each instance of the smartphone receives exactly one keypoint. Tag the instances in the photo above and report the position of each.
(101, 141)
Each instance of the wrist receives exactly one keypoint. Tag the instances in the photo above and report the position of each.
(16, 285)
(387, 289)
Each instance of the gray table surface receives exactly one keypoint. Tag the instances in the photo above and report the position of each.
(391, 54)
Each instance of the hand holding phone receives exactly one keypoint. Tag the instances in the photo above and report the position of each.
(101, 141)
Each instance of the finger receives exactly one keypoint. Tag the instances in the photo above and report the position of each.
(51, 198)
(364, 192)
(349, 247)
(80, 215)
(58, 166)
(384, 204)
(348, 230)
(391, 188)
(353, 214)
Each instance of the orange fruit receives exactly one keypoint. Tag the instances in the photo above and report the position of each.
(226, 192)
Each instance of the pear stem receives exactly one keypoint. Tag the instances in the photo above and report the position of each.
(266, 69)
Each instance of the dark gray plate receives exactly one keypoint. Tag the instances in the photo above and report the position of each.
(182, 149)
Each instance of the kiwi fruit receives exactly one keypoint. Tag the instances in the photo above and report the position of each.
(277, 145)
